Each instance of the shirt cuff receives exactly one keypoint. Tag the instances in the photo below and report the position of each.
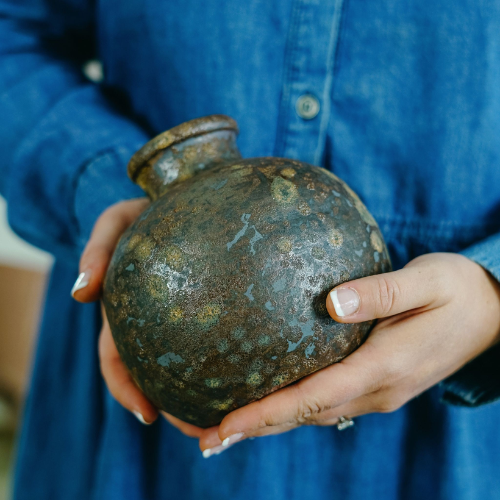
(478, 382)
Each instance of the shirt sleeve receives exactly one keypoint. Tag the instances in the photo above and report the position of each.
(478, 382)
(64, 142)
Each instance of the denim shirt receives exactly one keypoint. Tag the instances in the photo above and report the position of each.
(399, 99)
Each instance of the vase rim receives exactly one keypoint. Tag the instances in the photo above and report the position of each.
(175, 135)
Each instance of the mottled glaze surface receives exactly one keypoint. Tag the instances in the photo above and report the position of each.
(216, 295)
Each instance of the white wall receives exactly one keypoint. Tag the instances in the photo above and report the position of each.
(15, 252)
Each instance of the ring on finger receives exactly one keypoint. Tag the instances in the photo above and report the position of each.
(344, 423)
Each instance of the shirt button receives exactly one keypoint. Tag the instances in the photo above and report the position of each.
(307, 106)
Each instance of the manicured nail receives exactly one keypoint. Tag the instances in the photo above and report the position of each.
(345, 301)
(216, 450)
(81, 282)
(232, 439)
(140, 418)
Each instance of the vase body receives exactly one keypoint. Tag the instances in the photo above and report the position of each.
(216, 294)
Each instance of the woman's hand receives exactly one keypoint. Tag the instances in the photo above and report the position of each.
(93, 265)
(439, 312)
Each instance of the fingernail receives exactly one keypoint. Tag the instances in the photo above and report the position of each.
(216, 450)
(81, 282)
(234, 438)
(139, 417)
(345, 301)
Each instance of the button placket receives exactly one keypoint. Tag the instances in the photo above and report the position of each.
(304, 109)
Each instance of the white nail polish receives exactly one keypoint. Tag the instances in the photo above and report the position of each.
(346, 301)
(232, 439)
(140, 417)
(81, 282)
(216, 450)
(336, 303)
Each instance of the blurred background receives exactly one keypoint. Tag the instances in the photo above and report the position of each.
(23, 275)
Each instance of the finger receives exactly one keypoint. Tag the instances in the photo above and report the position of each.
(120, 384)
(209, 438)
(383, 295)
(101, 245)
(330, 387)
(210, 443)
(186, 428)
(376, 402)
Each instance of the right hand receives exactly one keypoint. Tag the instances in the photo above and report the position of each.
(93, 265)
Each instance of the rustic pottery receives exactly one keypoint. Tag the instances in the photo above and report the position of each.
(216, 294)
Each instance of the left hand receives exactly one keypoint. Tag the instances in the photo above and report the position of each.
(437, 313)
(94, 262)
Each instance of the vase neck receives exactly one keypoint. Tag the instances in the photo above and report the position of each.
(180, 153)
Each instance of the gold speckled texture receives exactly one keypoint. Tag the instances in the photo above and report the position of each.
(216, 295)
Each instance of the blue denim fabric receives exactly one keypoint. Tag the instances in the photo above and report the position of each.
(410, 119)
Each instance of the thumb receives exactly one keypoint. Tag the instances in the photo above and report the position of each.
(383, 295)
(101, 245)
